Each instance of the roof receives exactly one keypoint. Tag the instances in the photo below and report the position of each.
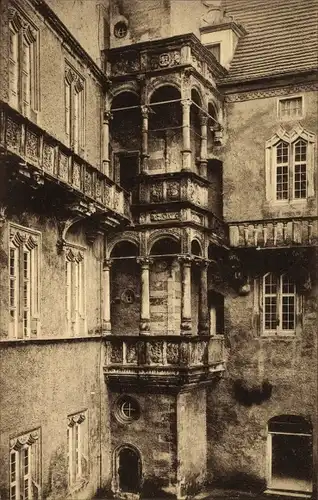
(282, 37)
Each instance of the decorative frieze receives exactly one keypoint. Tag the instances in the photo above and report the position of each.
(164, 216)
(63, 167)
(48, 158)
(274, 92)
(32, 146)
(76, 181)
(164, 60)
(13, 135)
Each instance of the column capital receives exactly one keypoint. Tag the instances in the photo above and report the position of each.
(145, 110)
(185, 103)
(204, 118)
(186, 260)
(144, 262)
(107, 116)
(107, 264)
(202, 263)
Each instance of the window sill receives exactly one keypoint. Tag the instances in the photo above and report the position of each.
(50, 340)
(279, 336)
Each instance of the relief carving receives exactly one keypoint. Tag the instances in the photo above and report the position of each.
(131, 353)
(77, 175)
(116, 352)
(128, 63)
(88, 188)
(63, 167)
(164, 60)
(13, 135)
(156, 192)
(173, 191)
(48, 158)
(172, 352)
(155, 352)
(32, 145)
(164, 216)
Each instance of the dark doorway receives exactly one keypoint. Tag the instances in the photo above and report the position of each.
(129, 470)
(128, 169)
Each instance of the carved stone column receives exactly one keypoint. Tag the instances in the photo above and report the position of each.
(186, 150)
(144, 142)
(106, 297)
(105, 151)
(145, 296)
(204, 144)
(204, 326)
(186, 317)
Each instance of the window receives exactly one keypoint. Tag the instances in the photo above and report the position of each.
(74, 110)
(23, 65)
(290, 166)
(291, 107)
(120, 29)
(127, 409)
(289, 454)
(279, 304)
(77, 437)
(25, 471)
(24, 282)
(215, 49)
(75, 292)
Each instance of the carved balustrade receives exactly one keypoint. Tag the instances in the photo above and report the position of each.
(163, 359)
(294, 231)
(169, 53)
(41, 153)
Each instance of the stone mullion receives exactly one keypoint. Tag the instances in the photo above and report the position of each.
(186, 316)
(144, 142)
(145, 296)
(105, 151)
(106, 328)
(186, 149)
(204, 326)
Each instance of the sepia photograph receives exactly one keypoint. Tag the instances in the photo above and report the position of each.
(158, 249)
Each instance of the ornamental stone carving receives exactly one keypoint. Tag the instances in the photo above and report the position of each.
(63, 167)
(88, 186)
(172, 353)
(116, 352)
(27, 439)
(165, 60)
(131, 353)
(155, 352)
(99, 189)
(13, 135)
(156, 192)
(173, 191)
(263, 93)
(154, 217)
(48, 158)
(128, 63)
(32, 145)
(77, 175)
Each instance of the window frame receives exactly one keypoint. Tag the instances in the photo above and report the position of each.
(24, 295)
(74, 99)
(279, 294)
(27, 35)
(29, 442)
(280, 100)
(78, 448)
(75, 278)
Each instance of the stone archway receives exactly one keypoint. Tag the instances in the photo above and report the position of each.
(128, 470)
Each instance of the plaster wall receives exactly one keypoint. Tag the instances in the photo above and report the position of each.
(192, 440)
(239, 407)
(253, 122)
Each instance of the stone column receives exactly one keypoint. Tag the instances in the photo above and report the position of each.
(186, 318)
(106, 297)
(186, 151)
(204, 145)
(144, 326)
(144, 142)
(105, 151)
(204, 326)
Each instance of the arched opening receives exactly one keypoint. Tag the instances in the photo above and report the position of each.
(129, 470)
(215, 191)
(196, 248)
(165, 130)
(125, 130)
(212, 124)
(165, 287)
(195, 124)
(290, 453)
(125, 289)
(216, 311)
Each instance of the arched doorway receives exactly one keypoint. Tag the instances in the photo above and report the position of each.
(128, 470)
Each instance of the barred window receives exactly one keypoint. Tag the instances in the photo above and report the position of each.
(77, 436)
(74, 110)
(279, 304)
(291, 107)
(75, 292)
(25, 471)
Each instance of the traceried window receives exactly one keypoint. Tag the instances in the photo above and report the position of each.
(290, 108)
(77, 437)
(25, 470)
(23, 65)
(279, 304)
(24, 282)
(290, 167)
(74, 110)
(75, 292)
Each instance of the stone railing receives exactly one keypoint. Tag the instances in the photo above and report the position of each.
(163, 359)
(32, 146)
(294, 231)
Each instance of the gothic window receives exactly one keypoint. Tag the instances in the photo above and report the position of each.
(279, 304)
(24, 282)
(23, 65)
(75, 292)
(290, 167)
(77, 437)
(25, 470)
(74, 110)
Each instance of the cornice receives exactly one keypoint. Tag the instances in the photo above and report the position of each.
(68, 39)
(271, 92)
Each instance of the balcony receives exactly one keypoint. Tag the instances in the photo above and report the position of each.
(41, 156)
(163, 360)
(274, 233)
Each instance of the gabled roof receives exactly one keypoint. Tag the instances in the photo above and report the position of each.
(282, 37)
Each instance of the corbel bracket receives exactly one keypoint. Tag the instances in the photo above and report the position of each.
(79, 211)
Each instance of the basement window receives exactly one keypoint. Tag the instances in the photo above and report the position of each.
(289, 449)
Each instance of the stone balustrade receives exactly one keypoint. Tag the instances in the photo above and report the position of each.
(42, 153)
(274, 233)
(163, 359)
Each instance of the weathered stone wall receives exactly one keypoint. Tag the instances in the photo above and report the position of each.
(249, 124)
(154, 436)
(125, 317)
(192, 440)
(265, 377)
